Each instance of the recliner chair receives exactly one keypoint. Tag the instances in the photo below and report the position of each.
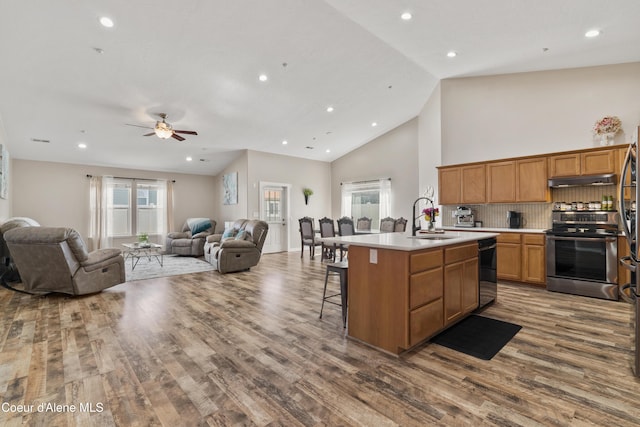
(190, 241)
(239, 248)
(55, 259)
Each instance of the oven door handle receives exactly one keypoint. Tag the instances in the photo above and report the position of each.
(583, 239)
(628, 263)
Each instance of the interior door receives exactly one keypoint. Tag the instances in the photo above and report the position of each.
(274, 208)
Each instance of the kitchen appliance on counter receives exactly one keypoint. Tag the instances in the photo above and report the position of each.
(488, 284)
(464, 217)
(630, 292)
(514, 219)
(582, 251)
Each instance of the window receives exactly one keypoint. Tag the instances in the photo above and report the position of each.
(371, 199)
(143, 213)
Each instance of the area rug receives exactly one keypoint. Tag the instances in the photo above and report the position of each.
(478, 336)
(173, 265)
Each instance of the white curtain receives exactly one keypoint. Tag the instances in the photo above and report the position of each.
(164, 210)
(385, 198)
(100, 200)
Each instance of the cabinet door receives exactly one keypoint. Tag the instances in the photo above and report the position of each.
(531, 179)
(470, 285)
(473, 184)
(501, 182)
(449, 186)
(425, 321)
(534, 263)
(597, 162)
(564, 165)
(509, 261)
(453, 281)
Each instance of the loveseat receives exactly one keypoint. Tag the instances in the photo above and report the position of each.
(238, 248)
(190, 240)
(55, 259)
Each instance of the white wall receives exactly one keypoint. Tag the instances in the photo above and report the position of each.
(392, 155)
(232, 212)
(57, 194)
(299, 173)
(485, 118)
(5, 204)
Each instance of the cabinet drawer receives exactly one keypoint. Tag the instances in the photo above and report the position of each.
(508, 238)
(459, 253)
(425, 287)
(425, 321)
(426, 260)
(533, 239)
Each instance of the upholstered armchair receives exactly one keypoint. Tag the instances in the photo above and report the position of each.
(191, 239)
(238, 248)
(55, 259)
(8, 268)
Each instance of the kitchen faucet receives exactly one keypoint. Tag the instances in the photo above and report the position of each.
(415, 227)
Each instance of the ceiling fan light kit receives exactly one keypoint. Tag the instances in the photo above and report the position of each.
(164, 130)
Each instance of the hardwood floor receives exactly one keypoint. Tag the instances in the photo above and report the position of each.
(249, 349)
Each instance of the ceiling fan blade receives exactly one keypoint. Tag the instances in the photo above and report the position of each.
(149, 134)
(138, 126)
(178, 137)
(188, 132)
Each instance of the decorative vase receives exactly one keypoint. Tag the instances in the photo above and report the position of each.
(606, 139)
(430, 225)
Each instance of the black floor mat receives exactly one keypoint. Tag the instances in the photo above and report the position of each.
(478, 336)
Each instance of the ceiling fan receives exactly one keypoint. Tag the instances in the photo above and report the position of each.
(164, 130)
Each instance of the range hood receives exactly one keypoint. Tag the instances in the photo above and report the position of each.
(582, 180)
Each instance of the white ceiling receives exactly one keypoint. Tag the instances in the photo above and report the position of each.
(199, 61)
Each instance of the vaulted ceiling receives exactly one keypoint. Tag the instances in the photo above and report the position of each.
(65, 79)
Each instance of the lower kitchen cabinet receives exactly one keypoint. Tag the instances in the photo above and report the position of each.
(460, 282)
(522, 257)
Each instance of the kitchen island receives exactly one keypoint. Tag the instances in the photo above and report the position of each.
(403, 290)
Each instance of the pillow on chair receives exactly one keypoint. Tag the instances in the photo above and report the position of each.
(198, 225)
(229, 233)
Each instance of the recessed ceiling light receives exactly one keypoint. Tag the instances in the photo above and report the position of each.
(189, 158)
(285, 142)
(106, 22)
(82, 145)
(452, 54)
(263, 77)
(328, 150)
(329, 109)
(406, 16)
(374, 124)
(592, 33)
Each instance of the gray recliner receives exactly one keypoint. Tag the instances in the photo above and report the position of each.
(239, 248)
(55, 259)
(190, 240)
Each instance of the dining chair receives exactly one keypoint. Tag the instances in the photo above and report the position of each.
(345, 228)
(401, 224)
(328, 229)
(363, 224)
(387, 225)
(307, 236)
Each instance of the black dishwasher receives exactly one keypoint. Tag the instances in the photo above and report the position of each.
(488, 286)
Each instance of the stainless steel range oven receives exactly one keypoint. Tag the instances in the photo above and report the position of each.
(582, 251)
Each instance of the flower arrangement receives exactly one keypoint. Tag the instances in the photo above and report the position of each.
(430, 214)
(607, 125)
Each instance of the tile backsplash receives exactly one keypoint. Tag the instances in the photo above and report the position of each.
(535, 215)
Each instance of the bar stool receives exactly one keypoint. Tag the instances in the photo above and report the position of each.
(338, 269)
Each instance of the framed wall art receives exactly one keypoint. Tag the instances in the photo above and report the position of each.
(230, 188)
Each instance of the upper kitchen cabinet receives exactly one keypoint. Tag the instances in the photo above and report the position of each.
(531, 176)
(586, 163)
(523, 180)
(461, 184)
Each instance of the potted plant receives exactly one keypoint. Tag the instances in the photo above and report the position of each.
(143, 239)
(307, 192)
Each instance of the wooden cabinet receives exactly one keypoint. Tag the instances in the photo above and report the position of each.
(449, 186)
(463, 184)
(501, 182)
(531, 180)
(522, 257)
(534, 259)
(509, 256)
(460, 281)
(586, 163)
(473, 188)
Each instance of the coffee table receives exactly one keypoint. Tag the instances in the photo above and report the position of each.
(135, 251)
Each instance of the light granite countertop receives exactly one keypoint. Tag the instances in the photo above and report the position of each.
(496, 229)
(403, 242)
